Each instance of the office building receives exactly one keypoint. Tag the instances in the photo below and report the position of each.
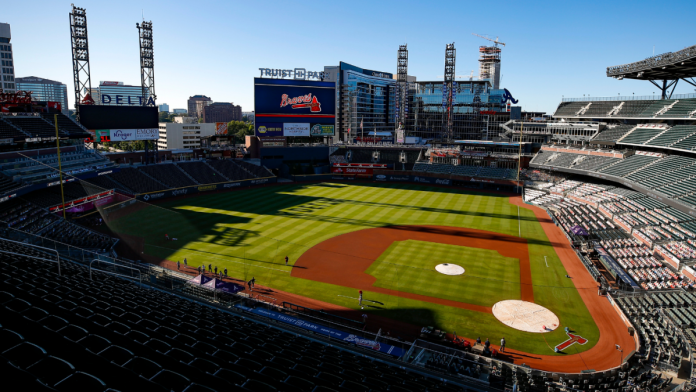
(45, 90)
(222, 112)
(365, 97)
(183, 135)
(196, 104)
(119, 94)
(7, 60)
(164, 108)
(180, 111)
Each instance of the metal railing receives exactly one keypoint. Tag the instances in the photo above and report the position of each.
(140, 274)
(39, 247)
(655, 97)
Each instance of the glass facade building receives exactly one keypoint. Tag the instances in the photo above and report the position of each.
(45, 90)
(364, 96)
(478, 111)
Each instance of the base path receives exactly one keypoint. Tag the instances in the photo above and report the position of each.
(343, 260)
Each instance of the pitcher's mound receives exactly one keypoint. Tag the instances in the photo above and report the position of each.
(449, 269)
(525, 316)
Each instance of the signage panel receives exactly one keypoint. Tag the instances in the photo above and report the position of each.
(294, 101)
(264, 129)
(321, 130)
(296, 129)
(122, 135)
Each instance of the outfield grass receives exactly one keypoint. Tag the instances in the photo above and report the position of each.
(250, 232)
(410, 266)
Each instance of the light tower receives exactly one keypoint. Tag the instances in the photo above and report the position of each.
(402, 80)
(147, 63)
(80, 56)
(448, 91)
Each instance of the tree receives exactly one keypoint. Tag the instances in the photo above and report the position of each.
(165, 117)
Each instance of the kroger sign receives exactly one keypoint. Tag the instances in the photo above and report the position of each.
(122, 135)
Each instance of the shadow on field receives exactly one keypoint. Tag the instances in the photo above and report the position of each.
(396, 323)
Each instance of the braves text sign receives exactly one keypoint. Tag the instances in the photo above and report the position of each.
(283, 101)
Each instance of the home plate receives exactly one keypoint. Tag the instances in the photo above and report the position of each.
(525, 316)
(449, 269)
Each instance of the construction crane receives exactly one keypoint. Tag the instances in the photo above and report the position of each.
(496, 42)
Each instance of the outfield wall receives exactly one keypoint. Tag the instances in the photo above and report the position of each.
(205, 188)
(411, 176)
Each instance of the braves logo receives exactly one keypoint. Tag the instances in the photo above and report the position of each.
(303, 101)
(507, 96)
(571, 341)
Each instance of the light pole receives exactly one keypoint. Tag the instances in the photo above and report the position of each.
(621, 351)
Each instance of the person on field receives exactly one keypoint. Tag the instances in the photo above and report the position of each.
(225, 272)
(360, 299)
(478, 340)
(251, 287)
(486, 344)
(199, 270)
(216, 270)
(286, 261)
(253, 282)
(210, 268)
(502, 345)
(185, 263)
(178, 265)
(166, 237)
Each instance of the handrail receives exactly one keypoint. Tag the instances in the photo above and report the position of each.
(140, 274)
(33, 257)
(40, 247)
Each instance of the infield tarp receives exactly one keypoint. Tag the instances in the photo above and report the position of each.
(610, 263)
(334, 333)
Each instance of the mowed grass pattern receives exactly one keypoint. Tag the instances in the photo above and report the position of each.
(250, 232)
(410, 266)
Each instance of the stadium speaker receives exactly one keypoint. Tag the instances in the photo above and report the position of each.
(375, 156)
(631, 331)
(402, 157)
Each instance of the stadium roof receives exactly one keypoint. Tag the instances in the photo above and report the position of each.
(666, 66)
(488, 143)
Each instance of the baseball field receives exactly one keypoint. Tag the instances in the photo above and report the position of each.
(383, 239)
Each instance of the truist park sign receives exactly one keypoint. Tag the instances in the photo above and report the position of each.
(297, 73)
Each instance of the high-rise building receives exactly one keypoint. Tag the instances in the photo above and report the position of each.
(196, 104)
(164, 108)
(7, 60)
(119, 94)
(222, 112)
(45, 90)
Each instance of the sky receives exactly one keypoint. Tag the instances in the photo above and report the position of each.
(553, 49)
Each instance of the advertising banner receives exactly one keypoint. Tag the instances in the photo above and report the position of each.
(204, 188)
(273, 141)
(351, 170)
(296, 129)
(123, 135)
(221, 128)
(432, 180)
(334, 333)
(268, 129)
(321, 130)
